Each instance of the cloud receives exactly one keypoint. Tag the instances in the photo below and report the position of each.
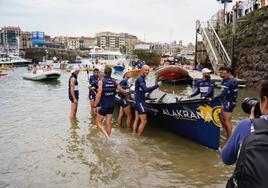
(158, 20)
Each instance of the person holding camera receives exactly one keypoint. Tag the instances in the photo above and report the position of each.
(248, 144)
(228, 95)
(205, 86)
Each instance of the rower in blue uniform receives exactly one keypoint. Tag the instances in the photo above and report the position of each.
(124, 104)
(205, 86)
(93, 88)
(228, 95)
(73, 91)
(106, 98)
(140, 106)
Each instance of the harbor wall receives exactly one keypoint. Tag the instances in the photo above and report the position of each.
(250, 45)
(37, 54)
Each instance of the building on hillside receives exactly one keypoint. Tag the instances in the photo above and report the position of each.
(116, 41)
(110, 41)
(130, 42)
(86, 42)
(25, 40)
(73, 43)
(9, 36)
(60, 40)
(38, 39)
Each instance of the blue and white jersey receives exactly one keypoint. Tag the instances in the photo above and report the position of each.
(141, 89)
(205, 88)
(108, 92)
(229, 90)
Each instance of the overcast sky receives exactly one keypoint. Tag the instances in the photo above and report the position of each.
(154, 20)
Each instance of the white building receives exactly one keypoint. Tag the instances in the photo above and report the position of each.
(73, 43)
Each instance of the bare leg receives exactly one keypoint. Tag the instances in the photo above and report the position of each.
(143, 123)
(108, 126)
(136, 122)
(228, 122)
(99, 124)
(73, 110)
(120, 116)
(127, 111)
(92, 109)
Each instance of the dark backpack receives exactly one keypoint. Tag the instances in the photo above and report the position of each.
(252, 164)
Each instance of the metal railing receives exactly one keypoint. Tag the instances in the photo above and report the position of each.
(207, 43)
(218, 44)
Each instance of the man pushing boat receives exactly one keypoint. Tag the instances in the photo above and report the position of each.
(106, 97)
(140, 105)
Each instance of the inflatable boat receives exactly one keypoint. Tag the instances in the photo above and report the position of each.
(42, 75)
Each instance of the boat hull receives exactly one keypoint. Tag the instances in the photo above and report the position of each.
(118, 68)
(195, 119)
(171, 73)
(44, 76)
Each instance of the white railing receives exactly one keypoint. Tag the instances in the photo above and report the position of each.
(206, 41)
(218, 44)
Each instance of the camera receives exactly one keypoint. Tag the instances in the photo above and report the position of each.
(247, 105)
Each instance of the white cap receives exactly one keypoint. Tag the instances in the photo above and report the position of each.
(75, 68)
(206, 70)
(126, 71)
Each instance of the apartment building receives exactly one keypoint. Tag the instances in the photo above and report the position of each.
(114, 41)
(25, 40)
(9, 36)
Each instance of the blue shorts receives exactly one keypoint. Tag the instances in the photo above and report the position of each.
(123, 103)
(140, 107)
(104, 111)
(91, 95)
(228, 106)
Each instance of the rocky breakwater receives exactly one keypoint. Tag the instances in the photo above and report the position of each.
(37, 54)
(251, 45)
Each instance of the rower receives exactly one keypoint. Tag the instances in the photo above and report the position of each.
(205, 86)
(106, 98)
(124, 104)
(93, 87)
(140, 105)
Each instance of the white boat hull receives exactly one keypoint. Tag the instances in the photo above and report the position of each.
(40, 75)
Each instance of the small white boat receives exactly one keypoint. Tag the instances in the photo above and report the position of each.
(42, 75)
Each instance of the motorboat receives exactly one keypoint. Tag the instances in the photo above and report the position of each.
(14, 60)
(107, 58)
(41, 75)
(119, 68)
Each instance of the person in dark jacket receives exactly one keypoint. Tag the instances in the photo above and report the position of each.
(93, 88)
(232, 149)
(204, 87)
(106, 99)
(73, 91)
(140, 106)
(124, 104)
